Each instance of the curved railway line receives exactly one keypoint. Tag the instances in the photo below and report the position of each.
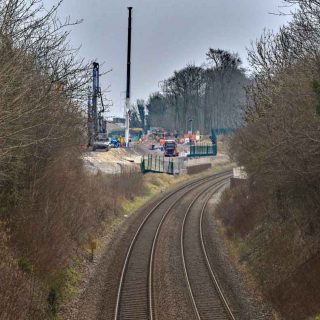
(135, 296)
(206, 295)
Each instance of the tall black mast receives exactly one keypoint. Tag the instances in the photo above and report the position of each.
(127, 113)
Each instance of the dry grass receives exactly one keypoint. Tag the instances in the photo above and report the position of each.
(15, 285)
(281, 259)
(238, 211)
(67, 208)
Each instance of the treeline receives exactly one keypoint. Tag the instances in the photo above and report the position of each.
(280, 145)
(212, 96)
(277, 216)
(50, 206)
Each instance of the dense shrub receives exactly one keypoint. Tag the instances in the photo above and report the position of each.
(279, 146)
(239, 211)
(50, 207)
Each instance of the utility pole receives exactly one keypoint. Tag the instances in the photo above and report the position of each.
(127, 111)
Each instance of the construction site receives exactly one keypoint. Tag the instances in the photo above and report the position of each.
(114, 147)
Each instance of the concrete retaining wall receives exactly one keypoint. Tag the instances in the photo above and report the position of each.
(198, 168)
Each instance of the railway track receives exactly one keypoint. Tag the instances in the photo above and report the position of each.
(135, 291)
(206, 295)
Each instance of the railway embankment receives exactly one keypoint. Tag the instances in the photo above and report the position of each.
(272, 223)
(278, 257)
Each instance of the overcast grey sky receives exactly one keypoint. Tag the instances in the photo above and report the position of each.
(167, 34)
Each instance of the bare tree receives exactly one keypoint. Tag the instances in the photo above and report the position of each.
(212, 96)
(279, 146)
(42, 88)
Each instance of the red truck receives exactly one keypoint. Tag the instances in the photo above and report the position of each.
(170, 148)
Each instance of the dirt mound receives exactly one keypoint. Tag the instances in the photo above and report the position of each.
(113, 161)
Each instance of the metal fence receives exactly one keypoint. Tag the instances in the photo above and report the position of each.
(160, 164)
(203, 150)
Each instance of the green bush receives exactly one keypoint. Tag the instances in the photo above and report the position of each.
(25, 265)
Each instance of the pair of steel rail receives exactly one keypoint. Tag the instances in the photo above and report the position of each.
(218, 181)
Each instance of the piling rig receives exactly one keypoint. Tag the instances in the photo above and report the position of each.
(97, 125)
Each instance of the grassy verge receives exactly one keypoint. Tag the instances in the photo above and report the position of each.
(155, 183)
